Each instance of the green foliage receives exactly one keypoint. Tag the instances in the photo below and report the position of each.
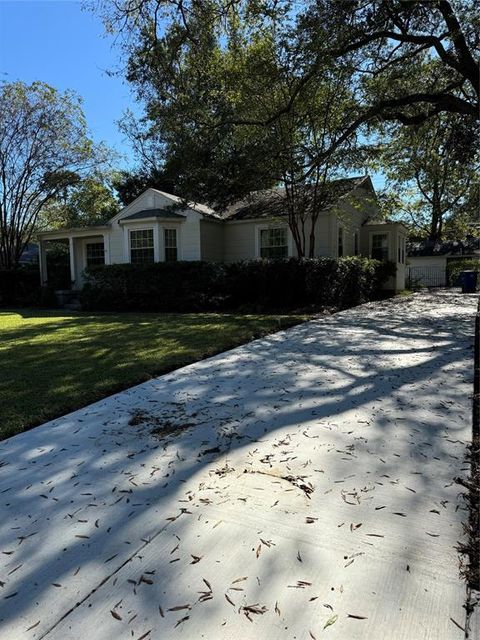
(44, 149)
(383, 45)
(20, 286)
(257, 284)
(432, 177)
(131, 184)
(455, 268)
(90, 201)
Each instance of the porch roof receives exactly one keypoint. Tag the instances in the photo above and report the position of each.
(78, 232)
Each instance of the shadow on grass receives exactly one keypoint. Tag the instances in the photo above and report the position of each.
(314, 375)
(59, 362)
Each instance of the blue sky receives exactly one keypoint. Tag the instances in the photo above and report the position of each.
(57, 42)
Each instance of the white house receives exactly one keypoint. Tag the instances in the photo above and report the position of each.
(158, 226)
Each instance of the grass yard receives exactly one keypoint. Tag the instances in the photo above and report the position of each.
(53, 362)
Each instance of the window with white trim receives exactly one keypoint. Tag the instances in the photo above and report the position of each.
(95, 253)
(401, 249)
(170, 240)
(273, 242)
(380, 246)
(141, 246)
(340, 242)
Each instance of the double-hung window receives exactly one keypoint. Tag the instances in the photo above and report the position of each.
(95, 253)
(380, 246)
(171, 249)
(401, 249)
(273, 242)
(340, 242)
(141, 246)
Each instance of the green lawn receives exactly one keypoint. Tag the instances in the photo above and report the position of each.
(53, 362)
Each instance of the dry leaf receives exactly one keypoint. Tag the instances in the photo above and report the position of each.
(331, 621)
(229, 600)
(180, 621)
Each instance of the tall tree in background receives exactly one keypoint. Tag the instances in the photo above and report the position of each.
(89, 202)
(431, 181)
(387, 42)
(44, 149)
(200, 97)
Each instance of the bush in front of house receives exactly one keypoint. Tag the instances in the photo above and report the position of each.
(20, 286)
(455, 268)
(162, 286)
(259, 285)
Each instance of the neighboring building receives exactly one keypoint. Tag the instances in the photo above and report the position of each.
(29, 254)
(427, 261)
(159, 227)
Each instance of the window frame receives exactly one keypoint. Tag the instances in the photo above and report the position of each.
(356, 242)
(388, 247)
(86, 243)
(272, 227)
(129, 244)
(340, 241)
(165, 247)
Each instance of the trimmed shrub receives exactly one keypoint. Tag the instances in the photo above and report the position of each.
(20, 286)
(456, 266)
(259, 285)
(162, 286)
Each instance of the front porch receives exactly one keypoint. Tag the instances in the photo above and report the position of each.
(86, 247)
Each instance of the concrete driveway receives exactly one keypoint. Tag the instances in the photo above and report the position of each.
(298, 487)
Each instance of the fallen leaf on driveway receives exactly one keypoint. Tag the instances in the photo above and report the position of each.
(331, 621)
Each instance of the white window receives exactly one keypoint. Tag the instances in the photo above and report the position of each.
(95, 253)
(273, 242)
(401, 249)
(340, 242)
(141, 246)
(380, 246)
(170, 239)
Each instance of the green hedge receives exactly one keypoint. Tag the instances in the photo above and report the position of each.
(20, 286)
(456, 266)
(257, 284)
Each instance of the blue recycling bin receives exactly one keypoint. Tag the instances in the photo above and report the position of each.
(469, 281)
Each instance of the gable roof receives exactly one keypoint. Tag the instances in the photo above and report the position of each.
(269, 203)
(195, 206)
(153, 213)
(177, 203)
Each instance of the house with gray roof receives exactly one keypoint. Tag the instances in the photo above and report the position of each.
(158, 227)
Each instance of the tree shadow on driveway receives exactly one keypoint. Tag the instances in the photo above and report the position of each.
(369, 406)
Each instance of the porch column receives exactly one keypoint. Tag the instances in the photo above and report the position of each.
(42, 262)
(71, 251)
(106, 247)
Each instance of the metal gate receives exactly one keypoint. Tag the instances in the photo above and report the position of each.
(418, 277)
